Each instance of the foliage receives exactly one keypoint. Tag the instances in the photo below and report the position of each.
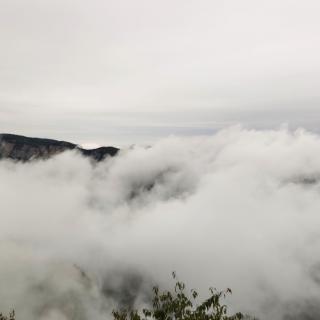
(11, 316)
(178, 305)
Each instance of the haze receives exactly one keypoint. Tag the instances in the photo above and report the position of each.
(215, 106)
(124, 72)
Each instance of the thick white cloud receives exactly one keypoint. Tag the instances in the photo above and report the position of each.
(238, 209)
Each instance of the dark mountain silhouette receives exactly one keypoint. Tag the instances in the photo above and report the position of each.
(21, 148)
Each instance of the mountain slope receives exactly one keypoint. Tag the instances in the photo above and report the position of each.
(23, 148)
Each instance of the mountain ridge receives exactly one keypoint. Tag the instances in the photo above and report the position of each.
(23, 148)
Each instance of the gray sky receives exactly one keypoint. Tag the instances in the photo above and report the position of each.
(123, 71)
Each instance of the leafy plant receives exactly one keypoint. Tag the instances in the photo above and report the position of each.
(11, 316)
(178, 305)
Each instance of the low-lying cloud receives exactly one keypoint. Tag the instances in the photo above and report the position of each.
(238, 209)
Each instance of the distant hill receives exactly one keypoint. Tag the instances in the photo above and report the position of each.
(21, 148)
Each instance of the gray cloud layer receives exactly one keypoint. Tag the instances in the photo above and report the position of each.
(238, 209)
(167, 64)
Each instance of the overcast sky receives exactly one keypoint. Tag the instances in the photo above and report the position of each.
(124, 71)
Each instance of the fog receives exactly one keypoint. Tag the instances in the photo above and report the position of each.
(237, 209)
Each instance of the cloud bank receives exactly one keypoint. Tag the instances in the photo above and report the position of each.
(237, 209)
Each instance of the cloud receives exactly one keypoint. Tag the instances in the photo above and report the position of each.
(62, 62)
(236, 209)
